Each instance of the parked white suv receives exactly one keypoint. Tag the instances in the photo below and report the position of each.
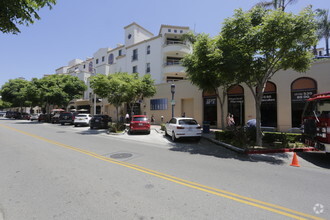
(82, 119)
(183, 127)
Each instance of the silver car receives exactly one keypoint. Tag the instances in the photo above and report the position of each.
(82, 119)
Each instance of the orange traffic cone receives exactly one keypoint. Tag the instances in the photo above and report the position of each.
(295, 160)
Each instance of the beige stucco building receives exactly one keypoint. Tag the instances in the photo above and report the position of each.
(282, 106)
(160, 56)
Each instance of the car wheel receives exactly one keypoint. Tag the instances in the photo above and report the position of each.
(75, 125)
(91, 127)
(148, 132)
(174, 139)
(62, 123)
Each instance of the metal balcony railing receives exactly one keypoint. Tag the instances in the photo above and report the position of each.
(173, 42)
(172, 62)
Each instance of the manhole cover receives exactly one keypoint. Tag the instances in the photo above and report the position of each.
(121, 155)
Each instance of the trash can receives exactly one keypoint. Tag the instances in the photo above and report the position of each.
(206, 127)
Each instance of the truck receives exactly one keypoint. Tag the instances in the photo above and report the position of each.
(316, 122)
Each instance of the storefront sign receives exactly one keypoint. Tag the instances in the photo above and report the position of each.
(235, 99)
(269, 97)
(302, 96)
(210, 101)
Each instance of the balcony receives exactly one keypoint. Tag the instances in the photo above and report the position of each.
(173, 67)
(171, 46)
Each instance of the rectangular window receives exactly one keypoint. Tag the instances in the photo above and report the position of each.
(84, 66)
(135, 69)
(97, 61)
(158, 104)
(148, 68)
(148, 49)
(135, 55)
(119, 52)
(103, 59)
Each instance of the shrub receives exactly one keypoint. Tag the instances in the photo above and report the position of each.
(246, 137)
(117, 127)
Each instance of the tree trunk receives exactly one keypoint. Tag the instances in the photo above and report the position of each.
(327, 46)
(258, 101)
(221, 108)
(117, 113)
(314, 50)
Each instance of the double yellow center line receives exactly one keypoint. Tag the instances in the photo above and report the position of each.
(218, 192)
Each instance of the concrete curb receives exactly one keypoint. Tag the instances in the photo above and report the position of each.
(266, 151)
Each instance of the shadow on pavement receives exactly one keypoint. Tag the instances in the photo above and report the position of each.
(205, 147)
(92, 132)
(319, 159)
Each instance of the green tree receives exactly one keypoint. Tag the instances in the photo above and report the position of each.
(4, 104)
(59, 89)
(14, 91)
(204, 70)
(324, 26)
(111, 87)
(20, 12)
(138, 88)
(121, 88)
(258, 43)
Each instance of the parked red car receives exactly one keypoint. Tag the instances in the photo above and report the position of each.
(139, 123)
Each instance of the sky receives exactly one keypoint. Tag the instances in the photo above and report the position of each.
(78, 28)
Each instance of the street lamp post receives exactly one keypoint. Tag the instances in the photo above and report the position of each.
(94, 106)
(172, 101)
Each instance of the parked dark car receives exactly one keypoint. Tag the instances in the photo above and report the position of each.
(100, 121)
(44, 118)
(66, 118)
(55, 119)
(15, 115)
(25, 116)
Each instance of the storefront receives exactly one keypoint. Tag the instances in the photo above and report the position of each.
(236, 103)
(301, 90)
(269, 106)
(210, 108)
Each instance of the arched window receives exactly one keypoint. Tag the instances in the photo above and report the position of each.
(301, 89)
(268, 107)
(236, 103)
(110, 59)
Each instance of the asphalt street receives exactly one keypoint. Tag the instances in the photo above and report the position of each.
(62, 172)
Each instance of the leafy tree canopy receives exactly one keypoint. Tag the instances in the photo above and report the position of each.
(59, 89)
(20, 12)
(204, 69)
(119, 87)
(14, 91)
(258, 43)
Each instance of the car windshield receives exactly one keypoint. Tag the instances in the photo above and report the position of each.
(140, 119)
(81, 116)
(187, 122)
